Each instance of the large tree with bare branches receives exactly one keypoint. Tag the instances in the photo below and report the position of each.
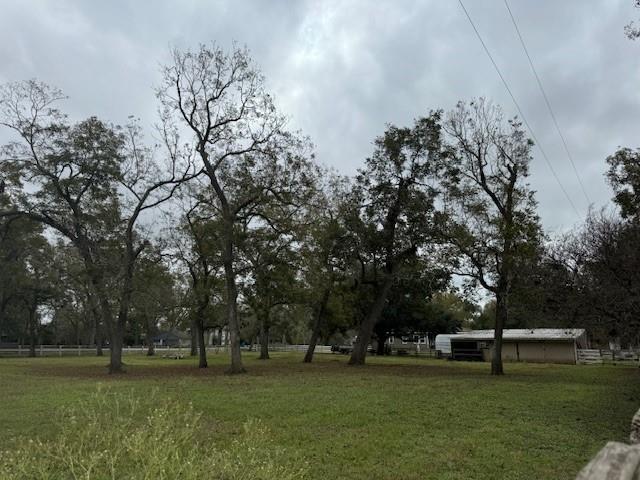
(220, 99)
(491, 222)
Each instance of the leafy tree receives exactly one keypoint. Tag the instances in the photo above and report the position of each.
(409, 307)
(18, 239)
(487, 318)
(154, 297)
(76, 319)
(491, 222)
(271, 283)
(241, 144)
(460, 310)
(624, 178)
(393, 210)
(79, 173)
(74, 169)
(324, 252)
(27, 279)
(197, 248)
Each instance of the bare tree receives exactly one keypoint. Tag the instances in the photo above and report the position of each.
(239, 139)
(491, 218)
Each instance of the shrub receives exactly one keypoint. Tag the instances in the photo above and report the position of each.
(119, 436)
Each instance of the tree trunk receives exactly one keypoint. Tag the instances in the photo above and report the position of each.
(150, 331)
(98, 338)
(318, 321)
(232, 303)
(33, 340)
(202, 347)
(366, 327)
(382, 341)
(264, 339)
(115, 331)
(97, 325)
(194, 337)
(4, 301)
(116, 344)
(501, 318)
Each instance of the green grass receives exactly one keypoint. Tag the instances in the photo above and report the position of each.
(405, 418)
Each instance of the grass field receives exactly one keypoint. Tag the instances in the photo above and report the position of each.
(405, 418)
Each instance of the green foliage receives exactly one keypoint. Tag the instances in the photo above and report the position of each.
(624, 178)
(130, 437)
(392, 199)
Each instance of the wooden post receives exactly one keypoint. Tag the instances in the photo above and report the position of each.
(60, 350)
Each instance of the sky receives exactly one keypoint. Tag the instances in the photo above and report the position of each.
(342, 70)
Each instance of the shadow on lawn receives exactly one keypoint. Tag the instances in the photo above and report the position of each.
(332, 367)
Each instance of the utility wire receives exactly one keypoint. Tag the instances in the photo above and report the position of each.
(515, 102)
(546, 100)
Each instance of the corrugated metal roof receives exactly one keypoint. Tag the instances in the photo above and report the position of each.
(523, 334)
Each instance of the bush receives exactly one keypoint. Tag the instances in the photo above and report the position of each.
(115, 436)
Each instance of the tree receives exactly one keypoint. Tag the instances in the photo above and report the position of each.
(491, 222)
(324, 256)
(624, 177)
(393, 211)
(36, 288)
(76, 319)
(197, 247)
(74, 169)
(80, 172)
(271, 282)
(27, 279)
(609, 281)
(240, 141)
(153, 297)
(631, 31)
(19, 238)
(410, 306)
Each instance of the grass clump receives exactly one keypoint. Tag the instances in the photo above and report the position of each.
(122, 436)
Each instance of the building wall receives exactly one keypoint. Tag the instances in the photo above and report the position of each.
(536, 352)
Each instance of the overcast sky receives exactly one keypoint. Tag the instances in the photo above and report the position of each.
(342, 70)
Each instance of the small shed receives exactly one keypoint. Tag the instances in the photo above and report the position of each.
(443, 344)
(539, 345)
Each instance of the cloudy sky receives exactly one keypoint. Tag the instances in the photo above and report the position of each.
(342, 70)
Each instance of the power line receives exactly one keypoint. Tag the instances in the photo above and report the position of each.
(515, 102)
(546, 100)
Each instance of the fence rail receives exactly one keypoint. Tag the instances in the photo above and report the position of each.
(90, 350)
(595, 356)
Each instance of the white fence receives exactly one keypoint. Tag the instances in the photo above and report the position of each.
(622, 357)
(89, 350)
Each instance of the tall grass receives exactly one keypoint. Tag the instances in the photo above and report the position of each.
(120, 436)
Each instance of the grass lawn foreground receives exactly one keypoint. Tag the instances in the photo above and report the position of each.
(405, 418)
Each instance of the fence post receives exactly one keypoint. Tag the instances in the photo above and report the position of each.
(40, 349)
(78, 350)
(60, 350)
(19, 350)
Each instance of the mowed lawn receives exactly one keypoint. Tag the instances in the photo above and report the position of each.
(405, 418)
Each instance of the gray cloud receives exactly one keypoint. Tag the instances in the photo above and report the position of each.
(341, 70)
